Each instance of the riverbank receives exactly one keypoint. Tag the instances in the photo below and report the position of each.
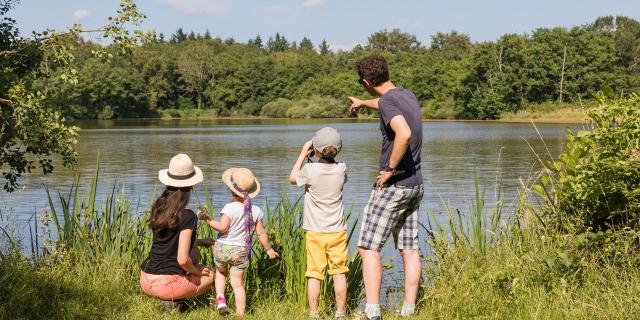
(565, 114)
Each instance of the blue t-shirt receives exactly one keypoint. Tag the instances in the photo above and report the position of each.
(402, 102)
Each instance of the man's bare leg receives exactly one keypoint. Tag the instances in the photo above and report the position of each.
(412, 272)
(372, 275)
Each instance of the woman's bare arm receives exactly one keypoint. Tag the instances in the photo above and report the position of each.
(184, 259)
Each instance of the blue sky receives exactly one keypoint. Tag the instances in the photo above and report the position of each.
(343, 23)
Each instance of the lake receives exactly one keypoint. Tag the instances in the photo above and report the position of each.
(132, 152)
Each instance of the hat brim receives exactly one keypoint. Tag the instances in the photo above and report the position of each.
(163, 175)
(226, 178)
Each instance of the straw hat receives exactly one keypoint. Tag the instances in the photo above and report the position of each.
(244, 179)
(181, 173)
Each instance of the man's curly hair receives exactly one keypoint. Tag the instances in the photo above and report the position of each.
(374, 69)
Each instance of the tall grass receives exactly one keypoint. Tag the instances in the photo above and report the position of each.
(479, 229)
(91, 230)
(84, 232)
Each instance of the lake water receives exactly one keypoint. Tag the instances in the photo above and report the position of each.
(132, 152)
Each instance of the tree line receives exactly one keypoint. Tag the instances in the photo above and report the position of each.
(452, 77)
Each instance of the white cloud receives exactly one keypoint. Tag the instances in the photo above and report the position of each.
(80, 14)
(208, 7)
(314, 3)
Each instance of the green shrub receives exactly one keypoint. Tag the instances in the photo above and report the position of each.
(595, 184)
(277, 108)
(248, 108)
(437, 109)
(185, 103)
(318, 107)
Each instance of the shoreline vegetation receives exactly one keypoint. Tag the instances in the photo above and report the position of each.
(550, 113)
(571, 251)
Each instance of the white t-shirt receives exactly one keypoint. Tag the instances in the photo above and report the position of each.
(235, 236)
(323, 209)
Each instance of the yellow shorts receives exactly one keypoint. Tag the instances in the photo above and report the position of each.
(323, 247)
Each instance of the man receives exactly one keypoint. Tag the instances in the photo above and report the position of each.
(395, 200)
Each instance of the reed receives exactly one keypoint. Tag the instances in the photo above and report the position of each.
(476, 231)
(91, 230)
(114, 230)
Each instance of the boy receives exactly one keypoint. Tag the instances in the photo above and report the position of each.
(326, 235)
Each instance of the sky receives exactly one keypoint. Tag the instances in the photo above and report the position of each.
(343, 23)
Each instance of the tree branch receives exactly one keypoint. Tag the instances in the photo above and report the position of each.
(40, 40)
(9, 102)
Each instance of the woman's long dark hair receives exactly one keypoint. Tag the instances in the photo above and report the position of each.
(165, 213)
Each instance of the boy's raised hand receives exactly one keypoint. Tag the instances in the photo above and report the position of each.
(272, 254)
(307, 148)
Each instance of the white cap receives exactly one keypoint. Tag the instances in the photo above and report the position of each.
(326, 137)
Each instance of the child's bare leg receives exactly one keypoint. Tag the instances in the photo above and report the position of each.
(195, 255)
(313, 293)
(221, 280)
(340, 288)
(238, 289)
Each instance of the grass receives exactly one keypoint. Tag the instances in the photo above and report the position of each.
(187, 113)
(489, 267)
(551, 112)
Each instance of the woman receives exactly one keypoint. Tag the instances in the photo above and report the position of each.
(172, 270)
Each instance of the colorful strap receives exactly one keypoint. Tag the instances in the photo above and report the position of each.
(246, 215)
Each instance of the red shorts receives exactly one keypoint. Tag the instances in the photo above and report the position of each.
(169, 286)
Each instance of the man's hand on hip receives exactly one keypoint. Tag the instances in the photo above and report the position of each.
(383, 177)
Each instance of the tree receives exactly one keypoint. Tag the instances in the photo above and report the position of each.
(191, 36)
(156, 70)
(30, 133)
(255, 43)
(394, 41)
(454, 43)
(306, 45)
(277, 44)
(207, 35)
(178, 36)
(194, 65)
(324, 48)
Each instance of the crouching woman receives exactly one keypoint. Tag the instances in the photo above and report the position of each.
(172, 271)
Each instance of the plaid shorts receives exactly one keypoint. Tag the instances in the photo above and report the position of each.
(391, 209)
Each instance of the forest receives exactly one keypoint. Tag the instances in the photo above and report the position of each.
(453, 77)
